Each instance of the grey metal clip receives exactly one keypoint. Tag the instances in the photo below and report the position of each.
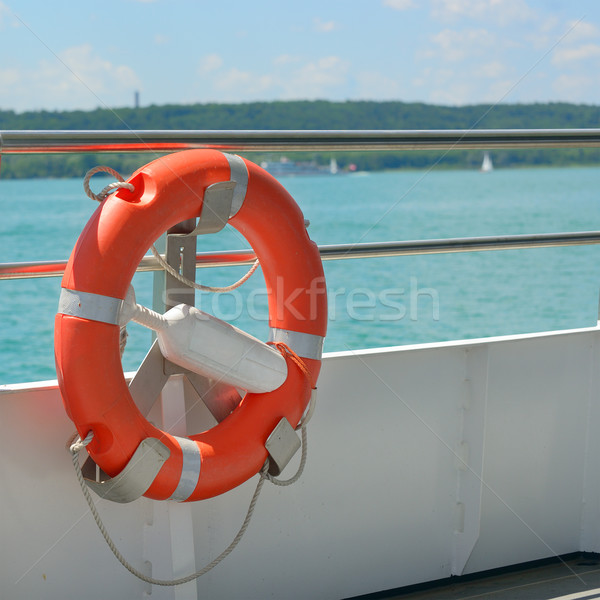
(134, 479)
(281, 445)
(216, 208)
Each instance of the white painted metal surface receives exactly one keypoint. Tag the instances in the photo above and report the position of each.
(424, 461)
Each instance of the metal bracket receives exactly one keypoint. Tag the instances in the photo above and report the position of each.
(149, 380)
(219, 398)
(155, 370)
(181, 255)
(137, 476)
(216, 208)
(180, 251)
(281, 445)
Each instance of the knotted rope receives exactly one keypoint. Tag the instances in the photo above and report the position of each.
(78, 445)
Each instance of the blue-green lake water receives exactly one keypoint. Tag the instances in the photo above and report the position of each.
(372, 302)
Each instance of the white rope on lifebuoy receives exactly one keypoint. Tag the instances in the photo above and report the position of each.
(110, 188)
(77, 444)
(121, 183)
(291, 480)
(198, 286)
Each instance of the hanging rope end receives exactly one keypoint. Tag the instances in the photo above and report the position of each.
(77, 445)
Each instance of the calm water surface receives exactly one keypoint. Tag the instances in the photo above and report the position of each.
(373, 302)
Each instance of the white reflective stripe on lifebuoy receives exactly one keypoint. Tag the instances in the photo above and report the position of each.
(93, 307)
(190, 469)
(239, 174)
(305, 345)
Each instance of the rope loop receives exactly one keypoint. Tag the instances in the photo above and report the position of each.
(110, 188)
(198, 286)
(121, 183)
(76, 447)
(264, 473)
(76, 444)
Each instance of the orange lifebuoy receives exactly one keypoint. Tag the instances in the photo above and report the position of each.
(94, 391)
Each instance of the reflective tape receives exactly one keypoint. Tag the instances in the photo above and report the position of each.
(239, 174)
(190, 470)
(93, 307)
(305, 345)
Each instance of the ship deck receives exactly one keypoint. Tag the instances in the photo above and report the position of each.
(572, 577)
(431, 469)
(489, 464)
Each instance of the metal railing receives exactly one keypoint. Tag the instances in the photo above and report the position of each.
(60, 142)
(143, 141)
(27, 270)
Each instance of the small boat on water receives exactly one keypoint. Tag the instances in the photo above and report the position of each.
(427, 464)
(486, 164)
(285, 167)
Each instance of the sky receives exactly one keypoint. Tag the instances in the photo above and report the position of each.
(65, 55)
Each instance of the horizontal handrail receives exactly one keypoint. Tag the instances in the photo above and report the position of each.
(144, 141)
(25, 270)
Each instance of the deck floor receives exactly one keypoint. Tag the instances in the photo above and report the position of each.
(573, 579)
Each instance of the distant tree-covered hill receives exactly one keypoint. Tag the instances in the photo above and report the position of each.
(311, 115)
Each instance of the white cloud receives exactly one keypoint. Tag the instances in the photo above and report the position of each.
(286, 59)
(9, 77)
(499, 90)
(209, 63)
(233, 78)
(576, 60)
(459, 84)
(446, 9)
(4, 13)
(423, 78)
(92, 71)
(545, 34)
(291, 78)
(570, 86)
(502, 12)
(399, 4)
(377, 86)
(457, 45)
(80, 79)
(455, 86)
(455, 92)
(575, 54)
(324, 26)
(247, 82)
(581, 30)
(490, 70)
(316, 78)
(7, 17)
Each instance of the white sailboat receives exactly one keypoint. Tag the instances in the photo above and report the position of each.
(487, 165)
